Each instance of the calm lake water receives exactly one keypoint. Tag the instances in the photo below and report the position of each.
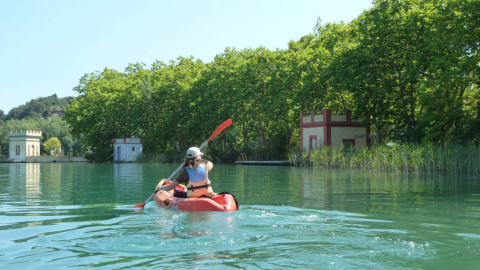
(76, 216)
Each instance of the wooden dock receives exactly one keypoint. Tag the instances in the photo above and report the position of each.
(265, 163)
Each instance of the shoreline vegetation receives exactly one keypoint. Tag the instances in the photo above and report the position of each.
(411, 66)
(399, 158)
(409, 158)
(396, 157)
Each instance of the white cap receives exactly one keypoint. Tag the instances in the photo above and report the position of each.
(193, 152)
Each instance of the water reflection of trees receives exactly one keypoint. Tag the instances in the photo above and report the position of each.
(72, 183)
(336, 189)
(366, 191)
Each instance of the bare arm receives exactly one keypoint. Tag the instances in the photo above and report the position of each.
(208, 166)
(169, 187)
(182, 178)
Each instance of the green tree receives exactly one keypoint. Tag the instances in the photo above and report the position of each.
(411, 66)
(317, 84)
(55, 126)
(215, 91)
(97, 116)
(376, 68)
(40, 107)
(172, 101)
(450, 86)
(51, 143)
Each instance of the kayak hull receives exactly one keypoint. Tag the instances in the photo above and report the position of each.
(222, 202)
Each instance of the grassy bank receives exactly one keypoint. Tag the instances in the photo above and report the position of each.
(396, 157)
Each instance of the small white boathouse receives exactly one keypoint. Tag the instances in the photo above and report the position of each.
(126, 149)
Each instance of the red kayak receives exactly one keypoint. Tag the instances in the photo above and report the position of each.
(220, 202)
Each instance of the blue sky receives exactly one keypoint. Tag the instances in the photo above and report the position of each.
(48, 45)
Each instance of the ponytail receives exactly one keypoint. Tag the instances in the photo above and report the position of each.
(192, 162)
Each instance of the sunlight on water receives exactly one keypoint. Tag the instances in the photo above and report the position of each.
(246, 238)
(61, 223)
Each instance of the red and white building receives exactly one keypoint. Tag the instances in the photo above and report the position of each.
(327, 129)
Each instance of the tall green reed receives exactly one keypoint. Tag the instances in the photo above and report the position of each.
(395, 157)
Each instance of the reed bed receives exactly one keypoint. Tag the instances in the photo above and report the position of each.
(395, 157)
(152, 157)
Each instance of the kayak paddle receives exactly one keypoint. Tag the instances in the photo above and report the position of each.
(217, 131)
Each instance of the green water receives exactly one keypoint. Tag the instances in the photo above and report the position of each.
(76, 216)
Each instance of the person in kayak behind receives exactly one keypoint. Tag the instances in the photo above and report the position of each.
(194, 176)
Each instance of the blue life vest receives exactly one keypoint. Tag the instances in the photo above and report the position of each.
(197, 175)
(198, 183)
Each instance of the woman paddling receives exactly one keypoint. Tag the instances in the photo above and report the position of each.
(194, 176)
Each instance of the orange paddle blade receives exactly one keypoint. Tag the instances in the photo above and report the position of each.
(220, 128)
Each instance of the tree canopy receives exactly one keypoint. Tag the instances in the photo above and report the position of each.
(40, 107)
(53, 142)
(412, 66)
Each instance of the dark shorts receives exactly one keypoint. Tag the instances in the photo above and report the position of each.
(179, 193)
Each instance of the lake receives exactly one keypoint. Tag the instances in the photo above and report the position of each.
(76, 216)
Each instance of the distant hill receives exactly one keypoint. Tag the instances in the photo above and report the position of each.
(41, 107)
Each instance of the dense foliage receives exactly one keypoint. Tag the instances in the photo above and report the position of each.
(41, 107)
(50, 143)
(44, 114)
(411, 65)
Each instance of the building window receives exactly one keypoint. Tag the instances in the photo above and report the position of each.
(349, 143)
(17, 150)
(133, 148)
